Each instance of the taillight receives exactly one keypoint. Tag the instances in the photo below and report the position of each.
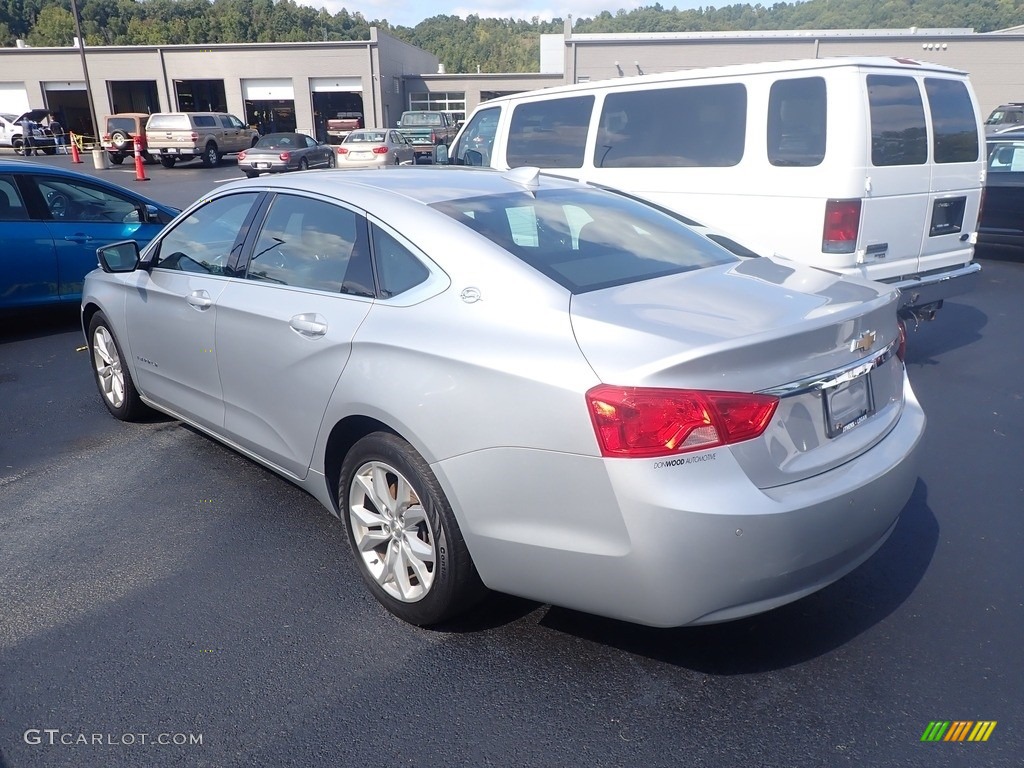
(106, 137)
(640, 422)
(342, 151)
(241, 155)
(380, 150)
(842, 221)
(195, 137)
(285, 155)
(901, 345)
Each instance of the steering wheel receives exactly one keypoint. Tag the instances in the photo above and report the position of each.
(59, 203)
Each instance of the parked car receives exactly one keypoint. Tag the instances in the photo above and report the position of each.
(119, 132)
(51, 222)
(1006, 118)
(280, 152)
(342, 124)
(373, 148)
(174, 136)
(524, 383)
(12, 131)
(1002, 213)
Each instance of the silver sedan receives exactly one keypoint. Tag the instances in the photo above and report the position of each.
(515, 382)
(375, 148)
(280, 152)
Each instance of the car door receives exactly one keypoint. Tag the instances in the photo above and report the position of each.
(402, 147)
(28, 260)
(80, 217)
(284, 330)
(172, 314)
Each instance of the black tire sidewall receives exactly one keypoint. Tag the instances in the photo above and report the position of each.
(454, 588)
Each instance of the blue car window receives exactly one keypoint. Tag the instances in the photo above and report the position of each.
(73, 200)
(12, 207)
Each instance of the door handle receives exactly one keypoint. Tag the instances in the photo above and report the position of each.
(199, 299)
(309, 325)
(79, 237)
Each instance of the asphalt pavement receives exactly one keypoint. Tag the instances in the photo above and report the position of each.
(156, 587)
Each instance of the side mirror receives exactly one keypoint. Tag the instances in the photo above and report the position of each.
(441, 154)
(473, 157)
(119, 257)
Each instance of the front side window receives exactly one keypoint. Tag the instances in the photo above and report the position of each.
(476, 142)
(72, 200)
(204, 240)
(550, 133)
(899, 135)
(797, 119)
(687, 126)
(953, 121)
(587, 239)
(306, 243)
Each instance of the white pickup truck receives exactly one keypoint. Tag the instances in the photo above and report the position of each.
(12, 131)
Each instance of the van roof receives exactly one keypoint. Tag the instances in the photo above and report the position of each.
(734, 70)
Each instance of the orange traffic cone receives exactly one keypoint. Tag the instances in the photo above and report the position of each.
(140, 172)
(75, 157)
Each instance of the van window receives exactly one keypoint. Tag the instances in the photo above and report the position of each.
(898, 132)
(550, 133)
(476, 142)
(953, 120)
(702, 125)
(796, 122)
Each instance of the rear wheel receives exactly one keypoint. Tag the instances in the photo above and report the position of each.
(303, 164)
(116, 158)
(168, 162)
(112, 377)
(211, 157)
(401, 528)
(332, 161)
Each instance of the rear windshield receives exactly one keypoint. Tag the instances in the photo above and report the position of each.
(360, 137)
(587, 239)
(168, 123)
(421, 118)
(899, 135)
(953, 120)
(121, 124)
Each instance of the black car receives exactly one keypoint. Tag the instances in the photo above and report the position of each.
(1002, 211)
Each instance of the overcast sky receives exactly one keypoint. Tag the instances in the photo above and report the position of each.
(409, 13)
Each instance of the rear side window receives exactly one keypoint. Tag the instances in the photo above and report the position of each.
(694, 126)
(551, 133)
(205, 121)
(953, 120)
(899, 135)
(797, 117)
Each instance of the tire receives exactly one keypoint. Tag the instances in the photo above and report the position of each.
(168, 162)
(420, 570)
(211, 158)
(116, 158)
(49, 150)
(332, 161)
(303, 164)
(250, 174)
(18, 145)
(119, 139)
(113, 380)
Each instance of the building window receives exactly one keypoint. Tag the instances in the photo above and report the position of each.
(440, 101)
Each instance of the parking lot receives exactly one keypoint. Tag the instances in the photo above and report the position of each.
(158, 587)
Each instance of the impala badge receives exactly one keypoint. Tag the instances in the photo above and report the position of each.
(864, 342)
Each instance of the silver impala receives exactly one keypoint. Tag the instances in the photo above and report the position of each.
(521, 383)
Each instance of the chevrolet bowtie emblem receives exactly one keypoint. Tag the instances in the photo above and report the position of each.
(864, 342)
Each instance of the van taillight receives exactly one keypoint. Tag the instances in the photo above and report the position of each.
(842, 222)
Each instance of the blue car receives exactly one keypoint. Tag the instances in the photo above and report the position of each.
(52, 221)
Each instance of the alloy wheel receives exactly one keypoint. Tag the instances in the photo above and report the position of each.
(108, 367)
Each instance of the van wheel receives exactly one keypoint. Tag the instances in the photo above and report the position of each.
(168, 162)
(210, 156)
(403, 533)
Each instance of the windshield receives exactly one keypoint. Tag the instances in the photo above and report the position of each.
(587, 239)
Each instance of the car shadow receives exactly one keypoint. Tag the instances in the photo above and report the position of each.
(958, 325)
(34, 323)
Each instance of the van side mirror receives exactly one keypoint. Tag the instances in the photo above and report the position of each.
(119, 257)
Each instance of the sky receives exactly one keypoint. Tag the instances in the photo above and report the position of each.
(409, 13)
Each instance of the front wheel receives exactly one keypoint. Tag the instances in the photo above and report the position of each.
(18, 145)
(404, 535)
(112, 376)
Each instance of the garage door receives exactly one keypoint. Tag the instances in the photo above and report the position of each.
(268, 89)
(335, 84)
(13, 98)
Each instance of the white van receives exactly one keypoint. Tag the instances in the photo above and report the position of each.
(866, 166)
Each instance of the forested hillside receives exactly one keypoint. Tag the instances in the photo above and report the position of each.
(495, 45)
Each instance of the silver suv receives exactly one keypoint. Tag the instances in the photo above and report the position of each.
(174, 136)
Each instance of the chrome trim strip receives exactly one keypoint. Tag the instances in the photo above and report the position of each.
(836, 376)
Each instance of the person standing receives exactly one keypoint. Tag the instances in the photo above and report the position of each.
(58, 135)
(28, 136)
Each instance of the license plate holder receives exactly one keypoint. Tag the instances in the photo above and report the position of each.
(848, 404)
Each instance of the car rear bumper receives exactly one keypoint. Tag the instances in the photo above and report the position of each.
(670, 543)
